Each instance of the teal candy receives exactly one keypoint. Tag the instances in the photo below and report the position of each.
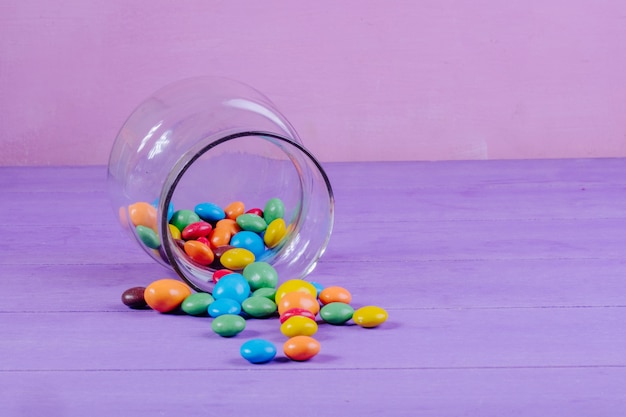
(148, 237)
(269, 293)
(260, 275)
(274, 209)
(336, 313)
(259, 307)
(183, 218)
(251, 222)
(197, 304)
(228, 325)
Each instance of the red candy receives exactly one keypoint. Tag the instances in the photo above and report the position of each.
(256, 211)
(296, 312)
(196, 230)
(217, 275)
(204, 240)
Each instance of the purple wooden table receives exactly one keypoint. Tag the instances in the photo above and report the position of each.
(505, 283)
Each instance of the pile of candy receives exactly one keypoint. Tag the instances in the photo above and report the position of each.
(215, 237)
(234, 243)
(254, 293)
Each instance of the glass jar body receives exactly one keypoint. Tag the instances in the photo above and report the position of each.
(217, 141)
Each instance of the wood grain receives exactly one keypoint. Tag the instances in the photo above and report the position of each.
(504, 282)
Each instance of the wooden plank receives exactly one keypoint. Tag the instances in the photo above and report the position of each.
(412, 338)
(408, 241)
(358, 206)
(261, 391)
(412, 284)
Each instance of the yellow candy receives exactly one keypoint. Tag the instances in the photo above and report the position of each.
(174, 232)
(295, 285)
(237, 258)
(274, 233)
(298, 326)
(370, 316)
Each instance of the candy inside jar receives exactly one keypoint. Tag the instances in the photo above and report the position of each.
(207, 175)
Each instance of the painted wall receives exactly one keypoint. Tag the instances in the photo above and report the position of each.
(360, 80)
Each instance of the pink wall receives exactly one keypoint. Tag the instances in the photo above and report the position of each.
(360, 80)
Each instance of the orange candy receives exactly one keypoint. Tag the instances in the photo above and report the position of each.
(301, 348)
(220, 236)
(199, 252)
(166, 294)
(234, 209)
(335, 295)
(230, 225)
(298, 299)
(143, 214)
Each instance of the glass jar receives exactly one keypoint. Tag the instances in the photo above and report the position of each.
(218, 141)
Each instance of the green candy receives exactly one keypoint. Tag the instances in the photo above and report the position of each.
(259, 307)
(269, 293)
(228, 325)
(183, 218)
(336, 313)
(251, 222)
(260, 275)
(197, 304)
(148, 237)
(274, 209)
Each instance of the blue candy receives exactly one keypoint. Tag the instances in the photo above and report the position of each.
(258, 351)
(209, 212)
(249, 240)
(223, 306)
(233, 286)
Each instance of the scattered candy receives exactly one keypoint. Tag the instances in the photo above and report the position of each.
(233, 245)
(259, 307)
(197, 304)
(370, 316)
(258, 351)
(336, 313)
(335, 294)
(301, 348)
(166, 294)
(228, 325)
(269, 293)
(293, 285)
(297, 312)
(298, 299)
(223, 306)
(298, 326)
(133, 298)
(260, 275)
(233, 286)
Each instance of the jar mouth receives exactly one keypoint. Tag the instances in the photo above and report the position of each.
(300, 181)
